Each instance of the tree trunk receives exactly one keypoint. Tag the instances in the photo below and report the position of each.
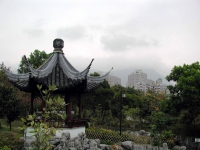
(10, 125)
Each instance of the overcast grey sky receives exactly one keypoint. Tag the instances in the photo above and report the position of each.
(155, 34)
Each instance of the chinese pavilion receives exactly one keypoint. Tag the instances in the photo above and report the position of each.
(58, 71)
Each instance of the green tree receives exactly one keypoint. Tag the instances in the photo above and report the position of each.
(98, 101)
(13, 111)
(9, 100)
(95, 74)
(185, 94)
(132, 114)
(160, 120)
(9, 103)
(116, 100)
(36, 59)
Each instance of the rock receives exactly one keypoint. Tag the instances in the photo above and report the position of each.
(104, 147)
(98, 142)
(116, 147)
(148, 134)
(94, 148)
(73, 148)
(155, 148)
(142, 132)
(182, 148)
(127, 145)
(149, 147)
(54, 141)
(82, 136)
(76, 141)
(65, 135)
(86, 146)
(93, 144)
(136, 133)
(165, 147)
(176, 147)
(86, 140)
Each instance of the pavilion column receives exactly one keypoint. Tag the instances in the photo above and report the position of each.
(79, 105)
(68, 106)
(31, 105)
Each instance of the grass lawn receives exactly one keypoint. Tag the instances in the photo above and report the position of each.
(11, 139)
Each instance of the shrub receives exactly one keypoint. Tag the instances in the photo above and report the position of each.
(186, 130)
(42, 130)
(10, 140)
(5, 148)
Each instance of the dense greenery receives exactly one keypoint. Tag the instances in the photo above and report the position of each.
(185, 95)
(9, 100)
(177, 113)
(10, 139)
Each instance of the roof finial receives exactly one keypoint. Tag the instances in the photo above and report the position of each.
(58, 44)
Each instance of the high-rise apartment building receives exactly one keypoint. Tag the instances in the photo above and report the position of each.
(113, 80)
(141, 86)
(139, 81)
(135, 77)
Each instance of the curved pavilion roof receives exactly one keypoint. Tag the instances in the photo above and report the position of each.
(58, 71)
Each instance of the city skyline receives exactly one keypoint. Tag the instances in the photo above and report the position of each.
(123, 75)
(142, 34)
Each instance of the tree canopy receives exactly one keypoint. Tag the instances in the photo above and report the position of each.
(185, 94)
(9, 100)
(95, 74)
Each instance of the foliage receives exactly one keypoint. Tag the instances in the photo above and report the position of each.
(5, 148)
(169, 138)
(159, 137)
(25, 103)
(185, 94)
(136, 105)
(132, 115)
(95, 74)
(9, 102)
(43, 131)
(10, 140)
(36, 59)
(116, 100)
(160, 120)
(98, 104)
(186, 130)
(156, 136)
(13, 112)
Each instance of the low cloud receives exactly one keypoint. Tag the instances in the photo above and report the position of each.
(72, 33)
(35, 33)
(124, 42)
